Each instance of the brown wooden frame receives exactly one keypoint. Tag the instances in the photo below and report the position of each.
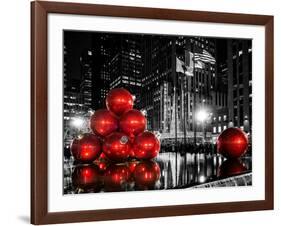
(39, 107)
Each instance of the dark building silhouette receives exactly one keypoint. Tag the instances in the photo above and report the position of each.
(126, 63)
(87, 65)
(102, 54)
(220, 117)
(239, 62)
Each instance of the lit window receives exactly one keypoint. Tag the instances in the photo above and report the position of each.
(224, 118)
(214, 129)
(219, 118)
(219, 129)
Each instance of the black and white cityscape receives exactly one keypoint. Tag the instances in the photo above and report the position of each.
(190, 89)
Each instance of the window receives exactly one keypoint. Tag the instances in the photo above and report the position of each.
(214, 129)
(219, 129)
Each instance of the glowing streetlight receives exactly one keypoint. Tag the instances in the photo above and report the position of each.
(202, 115)
(202, 179)
(77, 122)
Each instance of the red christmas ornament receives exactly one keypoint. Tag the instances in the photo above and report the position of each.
(132, 123)
(231, 167)
(232, 143)
(146, 174)
(87, 148)
(132, 152)
(103, 123)
(116, 177)
(119, 101)
(87, 177)
(103, 157)
(146, 146)
(132, 165)
(102, 165)
(116, 147)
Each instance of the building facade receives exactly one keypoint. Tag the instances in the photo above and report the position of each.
(126, 63)
(239, 62)
(171, 98)
(86, 63)
(102, 54)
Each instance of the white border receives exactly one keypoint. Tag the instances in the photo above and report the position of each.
(58, 202)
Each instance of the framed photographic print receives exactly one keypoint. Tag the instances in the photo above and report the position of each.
(145, 112)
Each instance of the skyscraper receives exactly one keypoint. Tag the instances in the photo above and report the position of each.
(239, 61)
(102, 48)
(86, 62)
(126, 63)
(168, 95)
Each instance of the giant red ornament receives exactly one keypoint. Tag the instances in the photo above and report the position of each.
(232, 143)
(146, 174)
(231, 167)
(116, 147)
(132, 165)
(102, 165)
(132, 123)
(119, 101)
(116, 177)
(87, 177)
(103, 122)
(86, 148)
(146, 146)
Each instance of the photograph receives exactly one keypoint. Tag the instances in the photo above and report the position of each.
(155, 112)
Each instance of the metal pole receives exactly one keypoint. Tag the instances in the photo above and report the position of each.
(194, 103)
(184, 109)
(175, 86)
(176, 120)
(203, 130)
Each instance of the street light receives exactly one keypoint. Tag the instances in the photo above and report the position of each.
(77, 122)
(201, 116)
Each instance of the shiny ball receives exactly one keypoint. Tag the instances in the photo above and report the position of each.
(103, 122)
(231, 167)
(146, 174)
(119, 100)
(116, 177)
(132, 165)
(116, 147)
(102, 165)
(86, 148)
(133, 122)
(87, 177)
(146, 146)
(232, 143)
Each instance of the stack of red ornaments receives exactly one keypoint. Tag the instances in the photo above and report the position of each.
(118, 132)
